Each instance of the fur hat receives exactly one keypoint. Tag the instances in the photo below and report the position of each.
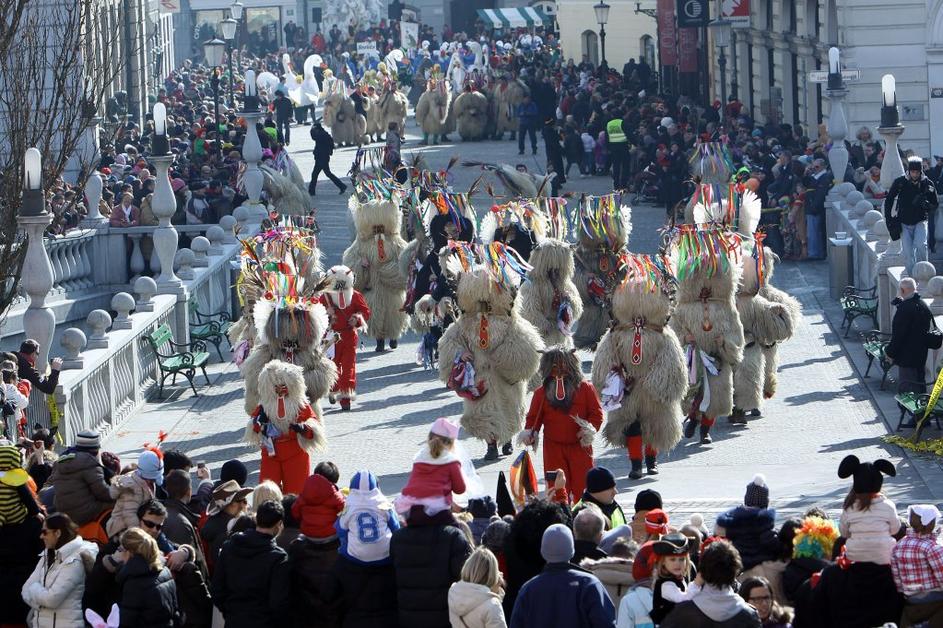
(757, 495)
(341, 284)
(674, 544)
(868, 476)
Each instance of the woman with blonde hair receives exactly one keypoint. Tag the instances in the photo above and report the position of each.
(475, 600)
(148, 596)
(265, 491)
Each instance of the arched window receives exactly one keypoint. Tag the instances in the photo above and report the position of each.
(647, 49)
(590, 41)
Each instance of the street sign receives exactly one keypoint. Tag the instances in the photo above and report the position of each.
(821, 76)
(366, 47)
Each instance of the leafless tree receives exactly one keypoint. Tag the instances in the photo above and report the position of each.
(59, 61)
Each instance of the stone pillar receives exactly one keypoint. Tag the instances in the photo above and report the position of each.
(73, 342)
(93, 196)
(99, 321)
(216, 236)
(165, 236)
(228, 225)
(837, 129)
(252, 154)
(39, 322)
(146, 288)
(122, 303)
(892, 167)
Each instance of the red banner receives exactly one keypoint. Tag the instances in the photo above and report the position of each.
(667, 33)
(687, 49)
(738, 12)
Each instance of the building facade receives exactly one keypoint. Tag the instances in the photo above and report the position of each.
(628, 34)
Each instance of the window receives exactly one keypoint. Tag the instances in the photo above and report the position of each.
(790, 7)
(590, 46)
(647, 49)
(769, 14)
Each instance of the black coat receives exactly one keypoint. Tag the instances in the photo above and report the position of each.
(797, 571)
(323, 144)
(861, 596)
(213, 534)
(906, 192)
(751, 530)
(586, 549)
(427, 560)
(251, 584)
(148, 597)
(688, 615)
(817, 190)
(908, 346)
(19, 545)
(362, 595)
(310, 563)
(43, 383)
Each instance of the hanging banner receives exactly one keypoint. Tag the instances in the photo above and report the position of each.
(409, 35)
(667, 33)
(693, 13)
(366, 47)
(687, 49)
(737, 11)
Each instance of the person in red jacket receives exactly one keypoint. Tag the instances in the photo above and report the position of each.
(567, 408)
(436, 474)
(349, 313)
(320, 502)
(285, 426)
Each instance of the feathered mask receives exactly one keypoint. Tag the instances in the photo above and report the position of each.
(649, 273)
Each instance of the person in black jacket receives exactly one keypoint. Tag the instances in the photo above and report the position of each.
(908, 345)
(251, 582)
(26, 368)
(428, 555)
(362, 594)
(859, 596)
(310, 561)
(323, 149)
(283, 112)
(908, 204)
(554, 150)
(148, 592)
(817, 182)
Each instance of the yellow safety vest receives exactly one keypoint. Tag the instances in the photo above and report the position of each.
(614, 131)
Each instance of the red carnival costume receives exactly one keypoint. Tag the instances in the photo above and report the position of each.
(568, 409)
(285, 426)
(348, 312)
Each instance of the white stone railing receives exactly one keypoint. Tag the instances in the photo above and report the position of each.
(71, 259)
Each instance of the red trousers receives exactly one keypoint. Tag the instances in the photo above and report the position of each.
(289, 467)
(574, 459)
(345, 357)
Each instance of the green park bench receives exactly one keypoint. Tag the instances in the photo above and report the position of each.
(858, 302)
(874, 345)
(914, 405)
(172, 362)
(209, 327)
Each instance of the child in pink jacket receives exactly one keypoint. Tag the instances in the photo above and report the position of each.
(436, 474)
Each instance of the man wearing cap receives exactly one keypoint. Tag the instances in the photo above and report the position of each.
(908, 203)
(563, 595)
(229, 500)
(917, 565)
(601, 490)
(78, 478)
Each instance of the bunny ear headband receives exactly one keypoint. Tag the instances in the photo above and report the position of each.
(97, 622)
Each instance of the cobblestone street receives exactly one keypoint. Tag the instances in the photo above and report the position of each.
(822, 411)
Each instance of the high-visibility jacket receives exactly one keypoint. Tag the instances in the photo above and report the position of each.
(615, 133)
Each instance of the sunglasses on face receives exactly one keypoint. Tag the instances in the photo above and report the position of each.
(152, 524)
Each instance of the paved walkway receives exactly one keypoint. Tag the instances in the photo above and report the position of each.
(822, 412)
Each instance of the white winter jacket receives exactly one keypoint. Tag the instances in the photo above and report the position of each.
(475, 606)
(635, 607)
(54, 591)
(870, 532)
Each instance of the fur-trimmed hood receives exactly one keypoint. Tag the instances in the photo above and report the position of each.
(274, 375)
(424, 456)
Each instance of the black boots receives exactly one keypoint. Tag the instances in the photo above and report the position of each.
(381, 345)
(345, 405)
(651, 465)
(737, 417)
(690, 426)
(636, 472)
(507, 449)
(492, 453)
(706, 435)
(394, 343)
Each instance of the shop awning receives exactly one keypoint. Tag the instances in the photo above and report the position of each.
(522, 17)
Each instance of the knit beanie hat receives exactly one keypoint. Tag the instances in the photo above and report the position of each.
(87, 439)
(233, 470)
(482, 507)
(556, 546)
(495, 535)
(656, 522)
(599, 479)
(151, 467)
(647, 499)
(757, 495)
(867, 475)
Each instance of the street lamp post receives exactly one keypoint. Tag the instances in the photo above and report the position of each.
(722, 28)
(602, 18)
(229, 26)
(164, 205)
(252, 149)
(213, 51)
(235, 12)
(837, 127)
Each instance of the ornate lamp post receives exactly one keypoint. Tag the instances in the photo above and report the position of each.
(602, 18)
(252, 148)
(39, 322)
(891, 129)
(229, 26)
(213, 51)
(722, 31)
(837, 121)
(164, 206)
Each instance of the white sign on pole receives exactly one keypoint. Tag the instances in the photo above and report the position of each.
(821, 76)
(366, 47)
(409, 35)
(169, 6)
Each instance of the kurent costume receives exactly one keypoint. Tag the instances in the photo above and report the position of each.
(285, 426)
(707, 263)
(639, 367)
(793, 314)
(549, 298)
(433, 111)
(765, 322)
(348, 313)
(604, 227)
(490, 352)
(348, 128)
(374, 258)
(567, 408)
(392, 106)
(471, 114)
(507, 95)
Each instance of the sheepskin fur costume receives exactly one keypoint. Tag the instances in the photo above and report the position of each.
(790, 317)
(433, 111)
(504, 105)
(348, 128)
(374, 258)
(284, 193)
(293, 336)
(275, 375)
(471, 115)
(374, 130)
(653, 369)
(505, 354)
(392, 107)
(549, 286)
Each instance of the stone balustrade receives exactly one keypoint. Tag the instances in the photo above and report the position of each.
(71, 260)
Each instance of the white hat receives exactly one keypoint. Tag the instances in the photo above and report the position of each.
(928, 513)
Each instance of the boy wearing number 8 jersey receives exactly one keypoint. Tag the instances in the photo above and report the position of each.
(367, 521)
